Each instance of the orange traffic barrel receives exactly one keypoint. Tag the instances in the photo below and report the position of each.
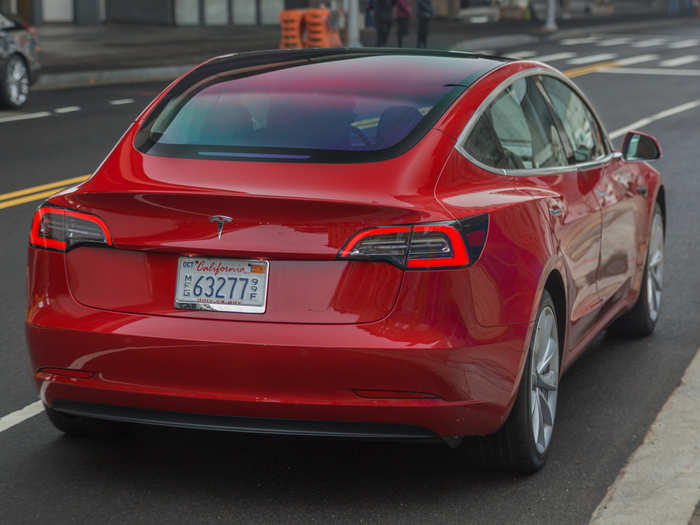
(292, 24)
(318, 30)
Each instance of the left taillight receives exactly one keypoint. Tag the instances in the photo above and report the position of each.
(61, 229)
(450, 244)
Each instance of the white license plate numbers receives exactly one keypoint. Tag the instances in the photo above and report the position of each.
(222, 285)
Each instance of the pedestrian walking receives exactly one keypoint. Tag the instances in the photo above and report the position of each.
(424, 14)
(369, 19)
(403, 18)
(383, 17)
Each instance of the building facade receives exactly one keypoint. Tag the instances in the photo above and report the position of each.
(164, 12)
(258, 12)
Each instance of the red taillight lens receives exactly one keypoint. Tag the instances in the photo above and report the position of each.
(452, 244)
(29, 28)
(61, 229)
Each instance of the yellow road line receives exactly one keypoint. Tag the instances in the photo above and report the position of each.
(34, 189)
(585, 70)
(29, 198)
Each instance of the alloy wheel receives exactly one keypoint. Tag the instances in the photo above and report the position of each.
(17, 81)
(655, 267)
(544, 379)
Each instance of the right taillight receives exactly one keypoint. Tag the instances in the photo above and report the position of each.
(450, 244)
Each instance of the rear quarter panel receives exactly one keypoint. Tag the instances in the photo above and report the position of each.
(520, 248)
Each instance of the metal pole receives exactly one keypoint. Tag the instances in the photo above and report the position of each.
(353, 24)
(551, 23)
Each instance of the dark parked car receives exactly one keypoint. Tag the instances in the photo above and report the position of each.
(19, 61)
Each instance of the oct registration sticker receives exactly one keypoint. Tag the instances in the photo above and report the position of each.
(221, 285)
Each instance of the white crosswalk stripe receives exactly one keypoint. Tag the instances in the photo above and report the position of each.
(522, 54)
(637, 60)
(680, 61)
(682, 44)
(578, 41)
(554, 57)
(615, 41)
(669, 72)
(652, 42)
(591, 58)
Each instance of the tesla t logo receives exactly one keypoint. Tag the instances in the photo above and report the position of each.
(220, 220)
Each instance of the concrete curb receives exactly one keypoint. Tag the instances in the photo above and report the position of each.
(50, 81)
(661, 481)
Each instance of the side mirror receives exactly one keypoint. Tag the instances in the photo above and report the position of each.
(640, 146)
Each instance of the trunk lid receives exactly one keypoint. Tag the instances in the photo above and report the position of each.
(296, 216)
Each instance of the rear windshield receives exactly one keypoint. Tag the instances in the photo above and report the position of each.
(305, 112)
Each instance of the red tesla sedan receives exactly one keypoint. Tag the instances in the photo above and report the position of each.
(378, 244)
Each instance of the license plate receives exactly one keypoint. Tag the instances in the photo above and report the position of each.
(221, 285)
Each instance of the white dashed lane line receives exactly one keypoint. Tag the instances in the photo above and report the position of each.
(653, 118)
(680, 61)
(15, 418)
(13, 117)
(67, 109)
(121, 101)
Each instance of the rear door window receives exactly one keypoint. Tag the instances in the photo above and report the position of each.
(517, 131)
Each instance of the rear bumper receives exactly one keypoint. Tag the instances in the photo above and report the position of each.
(248, 425)
(439, 370)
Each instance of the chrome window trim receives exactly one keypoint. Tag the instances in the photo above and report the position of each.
(533, 172)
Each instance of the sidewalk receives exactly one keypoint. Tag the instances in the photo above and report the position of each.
(74, 56)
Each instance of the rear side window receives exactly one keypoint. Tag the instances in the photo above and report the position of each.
(517, 131)
(580, 125)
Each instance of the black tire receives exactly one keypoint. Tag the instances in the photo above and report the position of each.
(639, 321)
(513, 447)
(78, 426)
(6, 98)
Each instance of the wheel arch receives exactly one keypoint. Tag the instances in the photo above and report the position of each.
(23, 58)
(557, 290)
(661, 200)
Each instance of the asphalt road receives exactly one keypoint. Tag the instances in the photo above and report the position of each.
(607, 400)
